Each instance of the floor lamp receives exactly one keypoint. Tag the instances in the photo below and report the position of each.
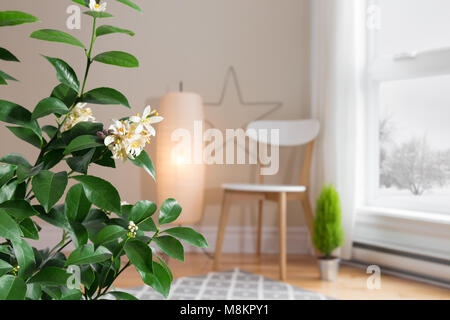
(179, 154)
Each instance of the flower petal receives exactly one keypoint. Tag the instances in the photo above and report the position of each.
(109, 140)
(135, 119)
(155, 119)
(147, 111)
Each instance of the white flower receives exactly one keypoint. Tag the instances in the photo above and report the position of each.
(145, 122)
(80, 113)
(133, 228)
(136, 146)
(127, 138)
(94, 6)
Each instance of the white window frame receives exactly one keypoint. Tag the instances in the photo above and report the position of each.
(422, 233)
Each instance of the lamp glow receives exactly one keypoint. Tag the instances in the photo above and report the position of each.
(178, 176)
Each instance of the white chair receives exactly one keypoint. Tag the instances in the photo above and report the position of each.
(292, 133)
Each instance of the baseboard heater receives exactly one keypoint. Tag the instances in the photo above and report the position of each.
(409, 265)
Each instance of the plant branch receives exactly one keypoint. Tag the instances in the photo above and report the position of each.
(88, 56)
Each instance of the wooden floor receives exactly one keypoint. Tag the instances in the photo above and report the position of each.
(302, 272)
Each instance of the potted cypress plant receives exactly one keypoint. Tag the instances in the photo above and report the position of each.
(328, 233)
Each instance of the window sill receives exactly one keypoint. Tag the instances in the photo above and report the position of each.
(409, 215)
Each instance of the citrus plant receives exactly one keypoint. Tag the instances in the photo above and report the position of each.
(328, 233)
(108, 235)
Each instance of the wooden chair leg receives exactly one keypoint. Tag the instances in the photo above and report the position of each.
(309, 217)
(282, 216)
(260, 217)
(222, 226)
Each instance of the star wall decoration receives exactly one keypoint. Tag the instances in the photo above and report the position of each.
(232, 111)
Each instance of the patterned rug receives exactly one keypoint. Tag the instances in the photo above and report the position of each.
(230, 285)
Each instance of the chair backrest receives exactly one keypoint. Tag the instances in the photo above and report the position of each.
(292, 132)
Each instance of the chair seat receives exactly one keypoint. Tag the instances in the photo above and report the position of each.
(244, 187)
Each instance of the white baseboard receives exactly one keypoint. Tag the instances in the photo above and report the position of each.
(237, 239)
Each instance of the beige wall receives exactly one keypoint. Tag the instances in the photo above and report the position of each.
(195, 41)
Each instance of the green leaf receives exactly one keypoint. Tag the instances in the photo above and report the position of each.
(87, 276)
(84, 3)
(5, 267)
(65, 93)
(77, 206)
(79, 234)
(50, 130)
(97, 14)
(144, 161)
(56, 36)
(141, 211)
(51, 276)
(3, 81)
(8, 227)
(13, 18)
(104, 30)
(6, 76)
(24, 173)
(87, 255)
(55, 217)
(105, 96)
(15, 159)
(101, 193)
(81, 129)
(81, 163)
(12, 288)
(130, 4)
(109, 233)
(20, 191)
(83, 142)
(119, 295)
(169, 212)
(34, 291)
(52, 158)
(165, 266)
(54, 293)
(7, 55)
(13, 113)
(189, 235)
(19, 209)
(139, 254)
(170, 246)
(105, 159)
(64, 73)
(49, 187)
(72, 294)
(148, 225)
(25, 257)
(117, 58)
(6, 173)
(27, 135)
(159, 280)
(29, 229)
(49, 106)
(8, 191)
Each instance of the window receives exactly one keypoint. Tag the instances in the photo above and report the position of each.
(409, 102)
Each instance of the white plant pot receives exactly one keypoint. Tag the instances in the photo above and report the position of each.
(329, 269)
